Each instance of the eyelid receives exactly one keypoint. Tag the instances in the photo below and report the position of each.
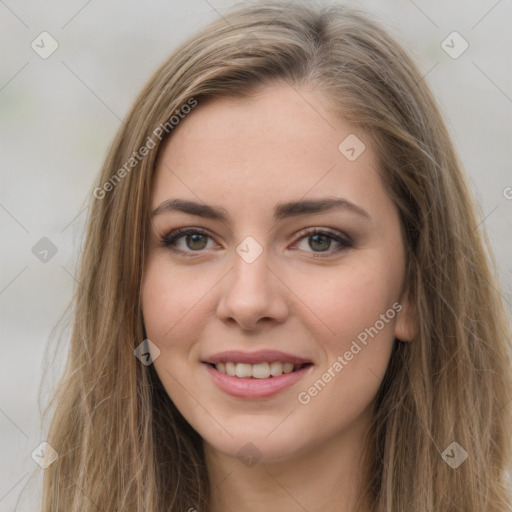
(176, 233)
(334, 233)
(170, 238)
(342, 238)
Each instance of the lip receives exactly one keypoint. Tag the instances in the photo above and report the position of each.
(259, 356)
(255, 388)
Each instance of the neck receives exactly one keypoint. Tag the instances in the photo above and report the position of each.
(323, 478)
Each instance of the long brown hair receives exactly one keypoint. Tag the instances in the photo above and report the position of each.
(122, 444)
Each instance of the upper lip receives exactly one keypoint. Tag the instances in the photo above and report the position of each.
(259, 356)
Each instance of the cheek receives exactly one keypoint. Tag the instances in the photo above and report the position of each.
(353, 299)
(172, 303)
(357, 306)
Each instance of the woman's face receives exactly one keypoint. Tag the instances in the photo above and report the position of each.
(290, 257)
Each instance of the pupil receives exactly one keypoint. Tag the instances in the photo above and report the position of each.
(319, 242)
(196, 242)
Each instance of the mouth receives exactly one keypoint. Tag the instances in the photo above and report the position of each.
(256, 374)
(263, 370)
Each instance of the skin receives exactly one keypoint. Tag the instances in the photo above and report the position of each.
(248, 156)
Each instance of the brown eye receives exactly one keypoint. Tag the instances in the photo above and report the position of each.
(196, 242)
(188, 240)
(320, 242)
(323, 242)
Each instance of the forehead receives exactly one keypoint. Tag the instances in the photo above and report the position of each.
(283, 143)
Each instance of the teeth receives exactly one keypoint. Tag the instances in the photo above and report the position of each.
(230, 369)
(276, 369)
(243, 370)
(257, 371)
(260, 370)
(287, 367)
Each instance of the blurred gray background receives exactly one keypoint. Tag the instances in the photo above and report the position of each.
(59, 114)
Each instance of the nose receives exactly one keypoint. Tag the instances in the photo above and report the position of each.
(253, 295)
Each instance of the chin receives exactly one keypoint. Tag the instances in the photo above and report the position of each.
(255, 451)
(263, 442)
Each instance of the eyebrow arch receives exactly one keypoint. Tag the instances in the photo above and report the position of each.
(281, 211)
(192, 208)
(295, 208)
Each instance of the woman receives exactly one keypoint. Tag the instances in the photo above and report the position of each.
(284, 303)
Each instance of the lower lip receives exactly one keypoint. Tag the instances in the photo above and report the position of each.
(255, 388)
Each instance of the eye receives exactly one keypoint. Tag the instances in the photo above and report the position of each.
(318, 241)
(187, 240)
(321, 242)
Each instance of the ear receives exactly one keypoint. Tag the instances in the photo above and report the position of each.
(406, 325)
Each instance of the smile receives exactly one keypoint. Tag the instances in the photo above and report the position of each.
(257, 371)
(259, 374)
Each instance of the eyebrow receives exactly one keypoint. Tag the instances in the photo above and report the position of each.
(281, 211)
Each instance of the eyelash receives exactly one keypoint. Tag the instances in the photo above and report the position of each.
(168, 241)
